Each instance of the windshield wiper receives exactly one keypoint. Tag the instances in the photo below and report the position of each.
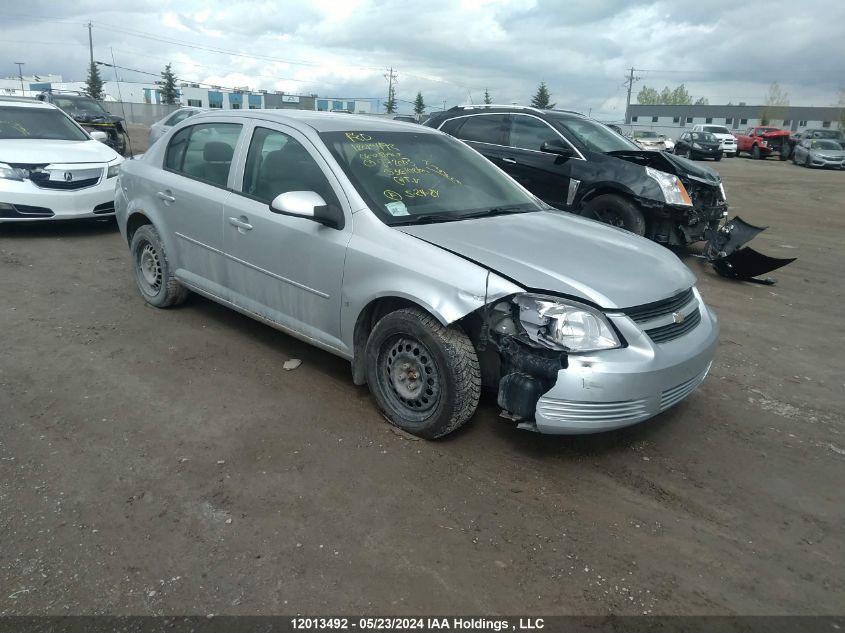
(430, 218)
(496, 211)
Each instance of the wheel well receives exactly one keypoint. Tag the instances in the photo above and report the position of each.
(367, 319)
(600, 191)
(135, 222)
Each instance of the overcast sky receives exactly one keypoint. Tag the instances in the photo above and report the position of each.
(450, 50)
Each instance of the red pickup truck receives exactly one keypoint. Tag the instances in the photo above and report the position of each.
(764, 141)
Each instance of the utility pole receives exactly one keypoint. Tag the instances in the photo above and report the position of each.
(20, 74)
(629, 81)
(390, 76)
(91, 43)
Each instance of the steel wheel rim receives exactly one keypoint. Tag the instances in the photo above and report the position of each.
(148, 265)
(409, 377)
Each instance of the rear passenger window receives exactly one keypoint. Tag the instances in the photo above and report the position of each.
(483, 128)
(278, 163)
(451, 126)
(204, 152)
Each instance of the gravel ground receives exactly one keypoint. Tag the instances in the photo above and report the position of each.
(163, 462)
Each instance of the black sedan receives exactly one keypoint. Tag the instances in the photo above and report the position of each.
(698, 145)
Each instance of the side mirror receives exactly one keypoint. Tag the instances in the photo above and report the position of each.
(98, 135)
(309, 205)
(556, 146)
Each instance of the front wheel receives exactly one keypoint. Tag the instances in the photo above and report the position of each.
(616, 211)
(153, 273)
(718, 157)
(755, 153)
(424, 376)
(807, 162)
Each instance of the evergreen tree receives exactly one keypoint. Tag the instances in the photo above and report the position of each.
(487, 98)
(419, 105)
(94, 83)
(169, 92)
(541, 97)
(390, 104)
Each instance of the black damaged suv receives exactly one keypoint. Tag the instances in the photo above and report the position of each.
(577, 164)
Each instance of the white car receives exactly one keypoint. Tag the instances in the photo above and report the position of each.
(727, 141)
(51, 168)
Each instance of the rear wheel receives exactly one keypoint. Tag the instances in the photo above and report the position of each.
(153, 273)
(616, 211)
(425, 377)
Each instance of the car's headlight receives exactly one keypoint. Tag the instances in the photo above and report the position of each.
(7, 172)
(673, 189)
(566, 325)
(722, 189)
(113, 171)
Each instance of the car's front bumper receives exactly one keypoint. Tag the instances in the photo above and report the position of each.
(35, 204)
(815, 161)
(617, 388)
(728, 147)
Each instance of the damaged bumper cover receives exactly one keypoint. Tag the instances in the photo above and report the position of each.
(615, 388)
(730, 257)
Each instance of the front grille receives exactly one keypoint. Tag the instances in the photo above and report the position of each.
(670, 332)
(44, 182)
(26, 211)
(673, 396)
(579, 411)
(649, 311)
(106, 207)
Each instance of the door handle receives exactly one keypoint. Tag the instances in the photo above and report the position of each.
(241, 223)
(165, 195)
(509, 161)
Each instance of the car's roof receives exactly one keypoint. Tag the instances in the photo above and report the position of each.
(319, 121)
(24, 102)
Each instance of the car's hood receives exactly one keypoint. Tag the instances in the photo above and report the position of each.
(670, 163)
(776, 134)
(558, 252)
(45, 151)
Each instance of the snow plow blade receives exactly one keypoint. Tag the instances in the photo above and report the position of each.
(731, 259)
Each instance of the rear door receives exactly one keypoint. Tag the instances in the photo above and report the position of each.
(287, 270)
(190, 194)
(485, 133)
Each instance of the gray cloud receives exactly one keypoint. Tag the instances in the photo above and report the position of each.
(452, 50)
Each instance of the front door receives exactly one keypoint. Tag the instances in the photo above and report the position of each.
(288, 270)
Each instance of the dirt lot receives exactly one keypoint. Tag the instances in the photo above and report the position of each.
(163, 462)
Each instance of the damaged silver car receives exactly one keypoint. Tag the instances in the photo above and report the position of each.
(432, 272)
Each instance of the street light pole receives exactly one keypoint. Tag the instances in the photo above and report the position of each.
(20, 74)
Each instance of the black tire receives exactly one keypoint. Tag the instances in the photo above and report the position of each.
(616, 211)
(807, 161)
(785, 152)
(794, 162)
(152, 270)
(410, 344)
(755, 153)
(688, 154)
(718, 157)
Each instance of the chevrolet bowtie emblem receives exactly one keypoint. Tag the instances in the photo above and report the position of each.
(678, 318)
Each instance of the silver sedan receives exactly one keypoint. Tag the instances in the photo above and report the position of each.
(404, 251)
(161, 127)
(819, 152)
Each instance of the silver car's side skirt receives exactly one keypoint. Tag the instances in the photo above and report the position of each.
(337, 351)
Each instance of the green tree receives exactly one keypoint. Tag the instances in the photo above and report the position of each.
(419, 104)
(169, 92)
(487, 98)
(390, 104)
(94, 83)
(680, 96)
(703, 101)
(666, 96)
(648, 96)
(541, 97)
(776, 105)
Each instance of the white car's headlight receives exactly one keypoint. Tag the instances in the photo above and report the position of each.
(113, 171)
(7, 172)
(673, 189)
(566, 325)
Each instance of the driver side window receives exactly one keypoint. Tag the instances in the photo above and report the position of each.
(529, 133)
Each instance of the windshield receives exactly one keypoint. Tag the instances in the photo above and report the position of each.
(411, 177)
(826, 134)
(593, 135)
(644, 134)
(823, 144)
(703, 136)
(80, 104)
(766, 130)
(716, 129)
(38, 123)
